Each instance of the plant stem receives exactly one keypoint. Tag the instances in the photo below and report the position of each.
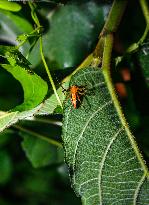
(142, 39)
(145, 10)
(108, 79)
(33, 14)
(134, 47)
(48, 72)
(110, 26)
(21, 44)
(112, 22)
(84, 64)
(36, 20)
(50, 141)
(114, 16)
(47, 121)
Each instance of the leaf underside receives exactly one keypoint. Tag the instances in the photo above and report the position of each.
(103, 165)
(9, 118)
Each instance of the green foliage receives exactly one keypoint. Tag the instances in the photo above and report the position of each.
(71, 28)
(99, 146)
(5, 119)
(104, 161)
(51, 103)
(10, 6)
(143, 55)
(6, 167)
(4, 137)
(12, 25)
(34, 87)
(39, 152)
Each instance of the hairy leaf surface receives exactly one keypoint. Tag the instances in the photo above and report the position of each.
(103, 164)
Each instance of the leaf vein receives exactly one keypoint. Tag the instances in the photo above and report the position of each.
(138, 189)
(103, 160)
(81, 135)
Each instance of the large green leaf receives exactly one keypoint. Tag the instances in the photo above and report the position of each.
(103, 163)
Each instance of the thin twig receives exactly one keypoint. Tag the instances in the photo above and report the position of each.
(50, 141)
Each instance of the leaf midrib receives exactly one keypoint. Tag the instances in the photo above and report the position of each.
(81, 135)
(103, 160)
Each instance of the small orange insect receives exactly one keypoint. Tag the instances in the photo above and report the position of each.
(76, 93)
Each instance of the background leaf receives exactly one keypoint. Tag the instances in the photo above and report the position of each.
(5, 167)
(143, 57)
(96, 144)
(38, 151)
(30, 185)
(12, 25)
(71, 33)
(5, 137)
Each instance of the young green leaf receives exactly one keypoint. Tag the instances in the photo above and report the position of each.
(10, 6)
(103, 163)
(34, 87)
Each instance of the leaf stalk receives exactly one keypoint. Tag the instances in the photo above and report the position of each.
(111, 26)
(36, 20)
(50, 141)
